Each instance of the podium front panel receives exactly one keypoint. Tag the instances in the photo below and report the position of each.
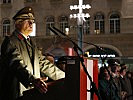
(72, 78)
(76, 80)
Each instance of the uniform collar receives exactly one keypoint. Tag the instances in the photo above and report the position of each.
(25, 36)
(21, 36)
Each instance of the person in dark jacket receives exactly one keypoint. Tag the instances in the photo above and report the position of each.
(21, 62)
(107, 89)
(125, 83)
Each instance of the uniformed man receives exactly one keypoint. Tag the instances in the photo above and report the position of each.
(114, 64)
(21, 63)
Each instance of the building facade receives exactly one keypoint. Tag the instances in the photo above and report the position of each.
(110, 25)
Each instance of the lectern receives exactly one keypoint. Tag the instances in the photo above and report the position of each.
(76, 82)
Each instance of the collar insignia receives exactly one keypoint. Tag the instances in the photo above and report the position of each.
(20, 36)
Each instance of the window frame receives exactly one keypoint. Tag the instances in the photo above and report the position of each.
(114, 23)
(63, 23)
(6, 27)
(50, 22)
(99, 23)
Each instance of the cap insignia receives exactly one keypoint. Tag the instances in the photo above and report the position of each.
(30, 15)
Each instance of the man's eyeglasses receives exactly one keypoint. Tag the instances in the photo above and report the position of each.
(30, 21)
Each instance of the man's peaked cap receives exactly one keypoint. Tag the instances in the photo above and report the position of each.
(25, 13)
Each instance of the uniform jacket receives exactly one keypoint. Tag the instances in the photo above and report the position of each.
(107, 90)
(126, 86)
(17, 67)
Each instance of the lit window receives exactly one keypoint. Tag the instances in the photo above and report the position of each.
(6, 27)
(99, 23)
(86, 24)
(6, 1)
(63, 23)
(114, 23)
(49, 23)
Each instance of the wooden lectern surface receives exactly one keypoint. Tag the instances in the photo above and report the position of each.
(55, 92)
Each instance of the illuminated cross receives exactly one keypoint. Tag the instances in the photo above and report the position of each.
(80, 17)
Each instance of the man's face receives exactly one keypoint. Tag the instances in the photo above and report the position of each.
(27, 27)
(124, 72)
(106, 73)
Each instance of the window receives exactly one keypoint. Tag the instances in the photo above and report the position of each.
(49, 23)
(114, 23)
(6, 27)
(63, 23)
(86, 24)
(99, 23)
(6, 1)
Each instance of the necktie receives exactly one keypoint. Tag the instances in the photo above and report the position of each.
(28, 39)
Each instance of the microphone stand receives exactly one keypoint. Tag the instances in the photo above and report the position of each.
(76, 48)
(97, 47)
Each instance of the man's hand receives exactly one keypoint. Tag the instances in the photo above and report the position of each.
(40, 85)
(123, 94)
(44, 79)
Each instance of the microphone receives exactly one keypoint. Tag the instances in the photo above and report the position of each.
(68, 38)
(97, 47)
(60, 31)
(50, 28)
